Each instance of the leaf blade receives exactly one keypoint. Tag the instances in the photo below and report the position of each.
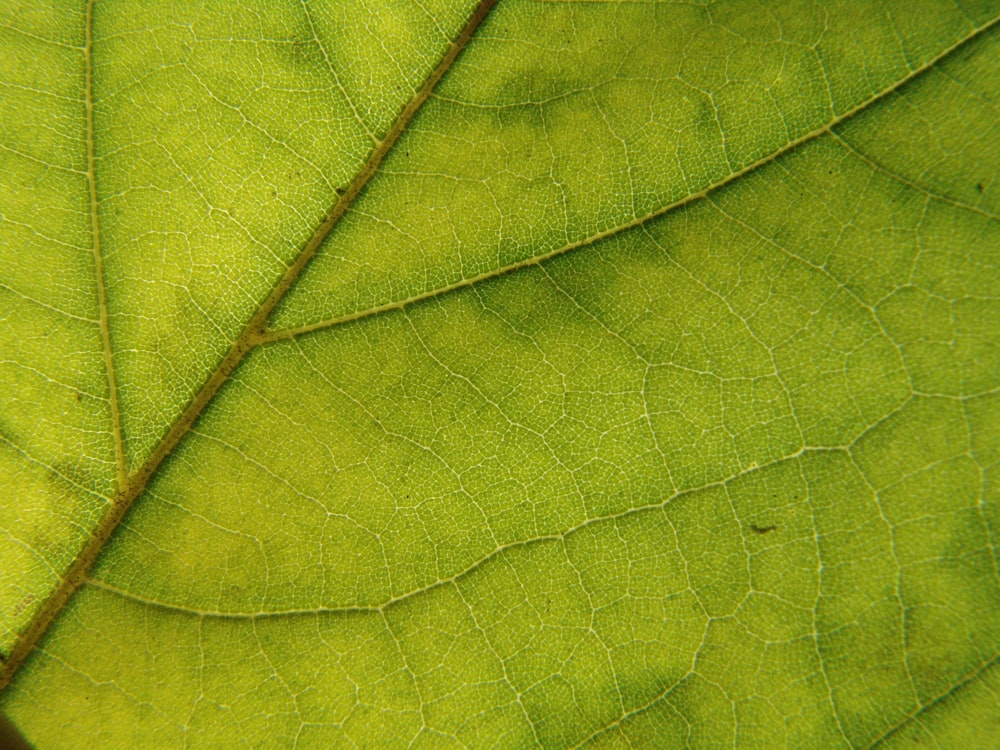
(757, 472)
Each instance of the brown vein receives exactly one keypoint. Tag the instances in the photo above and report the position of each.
(249, 338)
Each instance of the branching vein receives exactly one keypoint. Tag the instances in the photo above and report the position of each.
(132, 486)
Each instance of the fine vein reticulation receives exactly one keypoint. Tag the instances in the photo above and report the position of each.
(255, 333)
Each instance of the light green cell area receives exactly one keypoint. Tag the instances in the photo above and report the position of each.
(373, 74)
(466, 693)
(932, 492)
(43, 187)
(968, 717)
(777, 533)
(38, 538)
(208, 187)
(777, 697)
(924, 432)
(765, 653)
(695, 714)
(983, 417)
(54, 393)
(609, 112)
(929, 586)
(859, 622)
(950, 574)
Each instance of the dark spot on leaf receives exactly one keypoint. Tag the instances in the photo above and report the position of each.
(10, 737)
(762, 529)
(979, 187)
(78, 396)
(340, 190)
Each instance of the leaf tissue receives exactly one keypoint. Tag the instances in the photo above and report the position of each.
(558, 374)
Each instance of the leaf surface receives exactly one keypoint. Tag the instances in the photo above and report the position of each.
(550, 374)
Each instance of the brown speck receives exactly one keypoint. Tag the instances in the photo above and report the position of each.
(979, 187)
(762, 529)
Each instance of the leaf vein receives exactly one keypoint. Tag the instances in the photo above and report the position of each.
(95, 230)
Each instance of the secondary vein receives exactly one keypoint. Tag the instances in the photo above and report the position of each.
(95, 233)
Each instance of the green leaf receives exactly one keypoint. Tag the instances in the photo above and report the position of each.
(557, 374)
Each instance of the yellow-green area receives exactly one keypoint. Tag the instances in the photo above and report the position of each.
(648, 394)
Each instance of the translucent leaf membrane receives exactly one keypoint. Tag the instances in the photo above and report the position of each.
(722, 476)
